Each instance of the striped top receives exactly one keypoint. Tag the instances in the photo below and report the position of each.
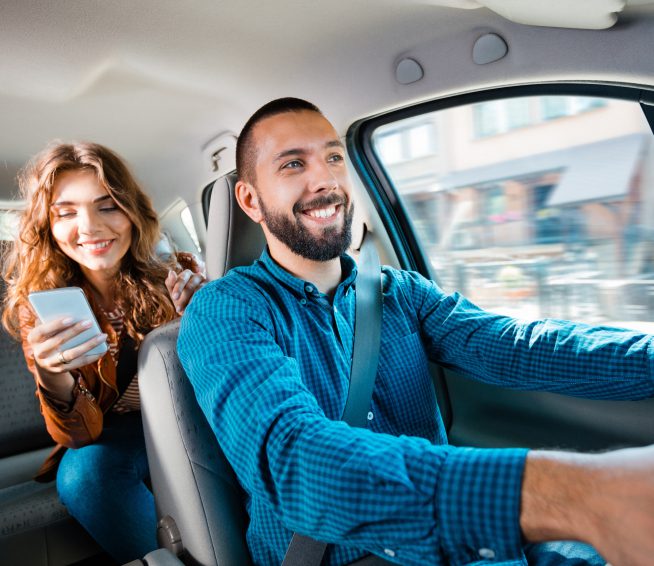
(129, 400)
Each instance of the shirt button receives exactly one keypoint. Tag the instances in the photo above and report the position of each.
(308, 289)
(389, 552)
(303, 301)
(370, 416)
(487, 553)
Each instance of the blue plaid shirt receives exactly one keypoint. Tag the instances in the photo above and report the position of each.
(269, 357)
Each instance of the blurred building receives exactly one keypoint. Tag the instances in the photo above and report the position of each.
(564, 179)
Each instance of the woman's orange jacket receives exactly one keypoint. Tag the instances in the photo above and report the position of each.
(81, 424)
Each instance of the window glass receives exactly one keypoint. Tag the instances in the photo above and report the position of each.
(390, 147)
(177, 223)
(554, 107)
(488, 119)
(542, 206)
(9, 224)
(518, 113)
(187, 220)
(420, 141)
(412, 140)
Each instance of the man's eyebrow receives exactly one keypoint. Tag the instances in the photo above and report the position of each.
(335, 143)
(288, 152)
(70, 202)
(297, 151)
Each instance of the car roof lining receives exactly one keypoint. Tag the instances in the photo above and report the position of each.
(156, 81)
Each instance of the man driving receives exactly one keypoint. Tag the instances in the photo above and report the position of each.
(268, 349)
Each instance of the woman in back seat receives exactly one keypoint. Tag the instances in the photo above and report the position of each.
(87, 223)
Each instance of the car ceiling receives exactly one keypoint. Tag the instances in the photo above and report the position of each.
(156, 80)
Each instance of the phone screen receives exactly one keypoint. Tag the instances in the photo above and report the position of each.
(68, 301)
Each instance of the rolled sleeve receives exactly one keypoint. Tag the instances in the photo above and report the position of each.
(478, 500)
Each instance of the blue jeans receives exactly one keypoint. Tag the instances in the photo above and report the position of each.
(564, 553)
(102, 486)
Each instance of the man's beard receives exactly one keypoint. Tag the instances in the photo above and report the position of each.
(294, 234)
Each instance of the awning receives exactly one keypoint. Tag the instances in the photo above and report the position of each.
(589, 172)
(600, 171)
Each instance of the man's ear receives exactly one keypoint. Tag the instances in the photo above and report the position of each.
(247, 199)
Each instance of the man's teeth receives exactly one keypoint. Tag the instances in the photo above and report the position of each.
(97, 246)
(322, 212)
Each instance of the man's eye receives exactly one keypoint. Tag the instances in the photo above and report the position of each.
(295, 164)
(335, 157)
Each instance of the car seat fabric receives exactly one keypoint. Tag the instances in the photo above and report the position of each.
(232, 238)
(191, 478)
(21, 425)
(31, 514)
(28, 505)
(24, 504)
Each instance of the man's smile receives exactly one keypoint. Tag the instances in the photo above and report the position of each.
(322, 212)
(325, 213)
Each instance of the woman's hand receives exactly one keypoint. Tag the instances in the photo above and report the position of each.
(181, 287)
(54, 363)
(46, 341)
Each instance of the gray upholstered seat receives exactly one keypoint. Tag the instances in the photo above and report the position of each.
(35, 528)
(21, 425)
(191, 479)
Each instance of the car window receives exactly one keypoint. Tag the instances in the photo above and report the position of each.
(178, 225)
(9, 217)
(532, 206)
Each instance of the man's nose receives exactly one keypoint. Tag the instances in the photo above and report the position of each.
(323, 178)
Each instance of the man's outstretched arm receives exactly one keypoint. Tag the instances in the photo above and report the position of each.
(592, 362)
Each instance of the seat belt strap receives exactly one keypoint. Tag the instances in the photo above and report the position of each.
(367, 336)
(302, 550)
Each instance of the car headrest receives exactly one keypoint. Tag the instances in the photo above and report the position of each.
(232, 238)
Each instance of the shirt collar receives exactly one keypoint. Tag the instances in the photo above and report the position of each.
(304, 288)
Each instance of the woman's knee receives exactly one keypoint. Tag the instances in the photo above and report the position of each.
(82, 473)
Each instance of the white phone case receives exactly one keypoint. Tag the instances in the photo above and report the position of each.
(68, 301)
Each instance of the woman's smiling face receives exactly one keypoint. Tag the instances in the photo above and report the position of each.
(87, 224)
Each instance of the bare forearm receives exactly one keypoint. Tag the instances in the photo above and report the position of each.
(606, 500)
(555, 496)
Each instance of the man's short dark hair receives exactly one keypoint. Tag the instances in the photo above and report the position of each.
(246, 153)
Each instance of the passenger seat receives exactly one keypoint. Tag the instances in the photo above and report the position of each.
(199, 501)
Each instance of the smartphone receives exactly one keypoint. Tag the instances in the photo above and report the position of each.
(68, 301)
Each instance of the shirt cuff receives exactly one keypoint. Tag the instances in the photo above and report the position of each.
(478, 505)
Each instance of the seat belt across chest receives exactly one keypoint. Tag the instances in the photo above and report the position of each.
(302, 550)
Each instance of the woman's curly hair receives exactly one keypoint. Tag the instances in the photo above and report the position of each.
(35, 261)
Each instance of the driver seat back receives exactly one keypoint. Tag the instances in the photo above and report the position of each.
(199, 502)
